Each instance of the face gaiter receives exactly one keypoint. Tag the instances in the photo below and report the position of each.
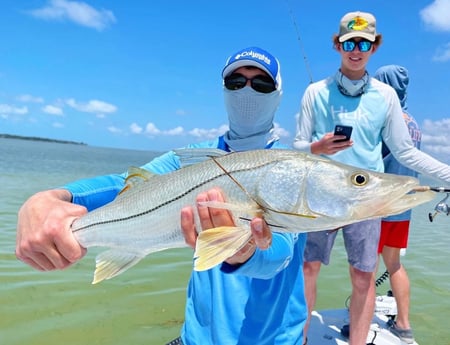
(250, 115)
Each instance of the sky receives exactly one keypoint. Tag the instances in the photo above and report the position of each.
(146, 75)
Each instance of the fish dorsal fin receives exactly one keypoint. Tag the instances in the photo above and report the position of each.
(135, 177)
(190, 156)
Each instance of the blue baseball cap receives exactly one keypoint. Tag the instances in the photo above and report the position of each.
(254, 56)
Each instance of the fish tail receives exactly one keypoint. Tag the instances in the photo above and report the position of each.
(216, 245)
(112, 263)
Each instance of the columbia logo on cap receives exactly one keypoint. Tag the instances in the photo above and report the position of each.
(253, 56)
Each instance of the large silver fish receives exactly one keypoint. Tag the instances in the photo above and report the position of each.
(294, 191)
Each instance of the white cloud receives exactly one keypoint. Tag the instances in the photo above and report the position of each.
(57, 125)
(437, 15)
(152, 129)
(431, 125)
(7, 109)
(113, 129)
(94, 106)
(437, 146)
(52, 110)
(175, 131)
(77, 12)
(280, 131)
(135, 128)
(442, 53)
(198, 133)
(30, 99)
(207, 134)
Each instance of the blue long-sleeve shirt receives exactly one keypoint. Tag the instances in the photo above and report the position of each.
(259, 302)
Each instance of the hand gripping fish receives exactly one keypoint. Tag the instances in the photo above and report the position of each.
(293, 191)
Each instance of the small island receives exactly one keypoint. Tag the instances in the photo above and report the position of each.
(10, 136)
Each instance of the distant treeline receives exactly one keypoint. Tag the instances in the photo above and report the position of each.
(10, 136)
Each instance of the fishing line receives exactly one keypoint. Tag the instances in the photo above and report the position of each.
(299, 39)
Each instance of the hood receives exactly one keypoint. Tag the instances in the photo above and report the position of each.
(397, 77)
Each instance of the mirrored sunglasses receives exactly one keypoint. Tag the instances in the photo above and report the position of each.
(259, 83)
(363, 46)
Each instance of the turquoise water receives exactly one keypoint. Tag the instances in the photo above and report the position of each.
(145, 305)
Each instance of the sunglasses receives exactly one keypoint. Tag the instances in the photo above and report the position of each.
(349, 46)
(259, 83)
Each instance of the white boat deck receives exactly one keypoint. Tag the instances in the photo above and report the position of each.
(325, 329)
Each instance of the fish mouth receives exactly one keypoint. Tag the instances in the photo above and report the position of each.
(416, 195)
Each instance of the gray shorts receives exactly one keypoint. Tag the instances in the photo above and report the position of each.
(361, 243)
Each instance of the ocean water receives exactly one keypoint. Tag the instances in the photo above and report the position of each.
(145, 305)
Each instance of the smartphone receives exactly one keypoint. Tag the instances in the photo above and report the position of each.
(343, 130)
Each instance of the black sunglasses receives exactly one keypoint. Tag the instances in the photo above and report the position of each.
(259, 83)
(363, 46)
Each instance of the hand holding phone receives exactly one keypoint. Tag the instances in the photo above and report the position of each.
(343, 130)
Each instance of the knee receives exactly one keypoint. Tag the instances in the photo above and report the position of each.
(394, 267)
(392, 264)
(361, 281)
(311, 269)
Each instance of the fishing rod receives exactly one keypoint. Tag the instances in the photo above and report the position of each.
(297, 31)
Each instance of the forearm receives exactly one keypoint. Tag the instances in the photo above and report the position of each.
(424, 164)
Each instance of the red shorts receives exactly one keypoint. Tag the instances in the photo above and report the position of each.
(394, 234)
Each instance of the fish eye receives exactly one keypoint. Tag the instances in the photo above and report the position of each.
(360, 179)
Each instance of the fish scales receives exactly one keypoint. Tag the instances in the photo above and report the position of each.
(156, 200)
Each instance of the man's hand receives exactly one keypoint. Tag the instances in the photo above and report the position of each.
(44, 239)
(213, 218)
(329, 146)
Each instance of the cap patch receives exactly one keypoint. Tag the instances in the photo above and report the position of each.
(358, 24)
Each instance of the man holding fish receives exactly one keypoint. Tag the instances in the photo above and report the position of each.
(254, 297)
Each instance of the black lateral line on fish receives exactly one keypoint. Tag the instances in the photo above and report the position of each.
(271, 225)
(173, 199)
(214, 159)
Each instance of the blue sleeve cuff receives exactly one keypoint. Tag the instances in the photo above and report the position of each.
(265, 264)
(97, 191)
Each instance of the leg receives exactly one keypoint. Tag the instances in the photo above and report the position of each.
(361, 243)
(394, 235)
(399, 283)
(317, 251)
(311, 272)
(362, 304)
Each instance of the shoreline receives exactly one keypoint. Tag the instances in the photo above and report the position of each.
(11, 136)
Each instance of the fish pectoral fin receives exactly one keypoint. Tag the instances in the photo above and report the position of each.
(216, 245)
(112, 263)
